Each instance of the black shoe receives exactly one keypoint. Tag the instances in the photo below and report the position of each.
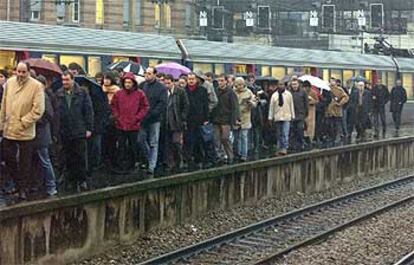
(208, 165)
(83, 186)
(150, 173)
(22, 196)
(11, 191)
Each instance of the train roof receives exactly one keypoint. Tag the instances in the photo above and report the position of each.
(74, 40)
(406, 64)
(219, 52)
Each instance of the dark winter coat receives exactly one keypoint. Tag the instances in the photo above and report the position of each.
(227, 111)
(129, 108)
(363, 112)
(198, 111)
(398, 98)
(259, 113)
(177, 110)
(380, 95)
(101, 110)
(76, 120)
(301, 103)
(324, 101)
(43, 126)
(54, 123)
(156, 94)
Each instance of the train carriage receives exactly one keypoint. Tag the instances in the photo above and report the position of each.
(92, 49)
(95, 49)
(280, 61)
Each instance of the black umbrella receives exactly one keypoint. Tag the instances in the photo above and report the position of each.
(94, 89)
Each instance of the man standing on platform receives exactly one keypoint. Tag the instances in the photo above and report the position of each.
(76, 118)
(23, 104)
(398, 98)
(149, 135)
(380, 96)
(225, 117)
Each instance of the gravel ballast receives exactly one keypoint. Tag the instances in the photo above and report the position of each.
(218, 222)
(383, 239)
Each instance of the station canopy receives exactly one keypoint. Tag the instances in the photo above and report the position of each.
(218, 52)
(76, 40)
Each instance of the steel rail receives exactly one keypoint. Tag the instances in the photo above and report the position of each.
(406, 260)
(184, 254)
(279, 255)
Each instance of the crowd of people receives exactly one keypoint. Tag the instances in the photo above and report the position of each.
(167, 125)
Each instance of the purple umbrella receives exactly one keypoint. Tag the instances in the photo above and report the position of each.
(174, 69)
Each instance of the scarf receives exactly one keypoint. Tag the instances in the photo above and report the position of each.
(281, 101)
(361, 93)
(110, 91)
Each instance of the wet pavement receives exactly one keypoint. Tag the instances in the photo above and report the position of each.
(104, 177)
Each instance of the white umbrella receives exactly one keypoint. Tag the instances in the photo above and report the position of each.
(139, 79)
(315, 81)
(128, 66)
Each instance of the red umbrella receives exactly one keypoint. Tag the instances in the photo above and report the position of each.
(44, 67)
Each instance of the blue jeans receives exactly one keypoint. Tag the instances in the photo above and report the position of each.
(283, 129)
(148, 139)
(47, 169)
(241, 137)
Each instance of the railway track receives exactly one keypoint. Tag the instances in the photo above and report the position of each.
(270, 240)
(406, 260)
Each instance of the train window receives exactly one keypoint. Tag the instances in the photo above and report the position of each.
(408, 84)
(368, 75)
(67, 59)
(154, 62)
(94, 65)
(337, 74)
(51, 58)
(203, 67)
(240, 69)
(7, 59)
(348, 74)
(278, 72)
(383, 76)
(325, 74)
(265, 71)
(219, 69)
(116, 59)
(390, 79)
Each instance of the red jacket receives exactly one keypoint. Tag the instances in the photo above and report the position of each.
(129, 108)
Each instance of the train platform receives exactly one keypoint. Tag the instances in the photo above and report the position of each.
(72, 227)
(106, 178)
